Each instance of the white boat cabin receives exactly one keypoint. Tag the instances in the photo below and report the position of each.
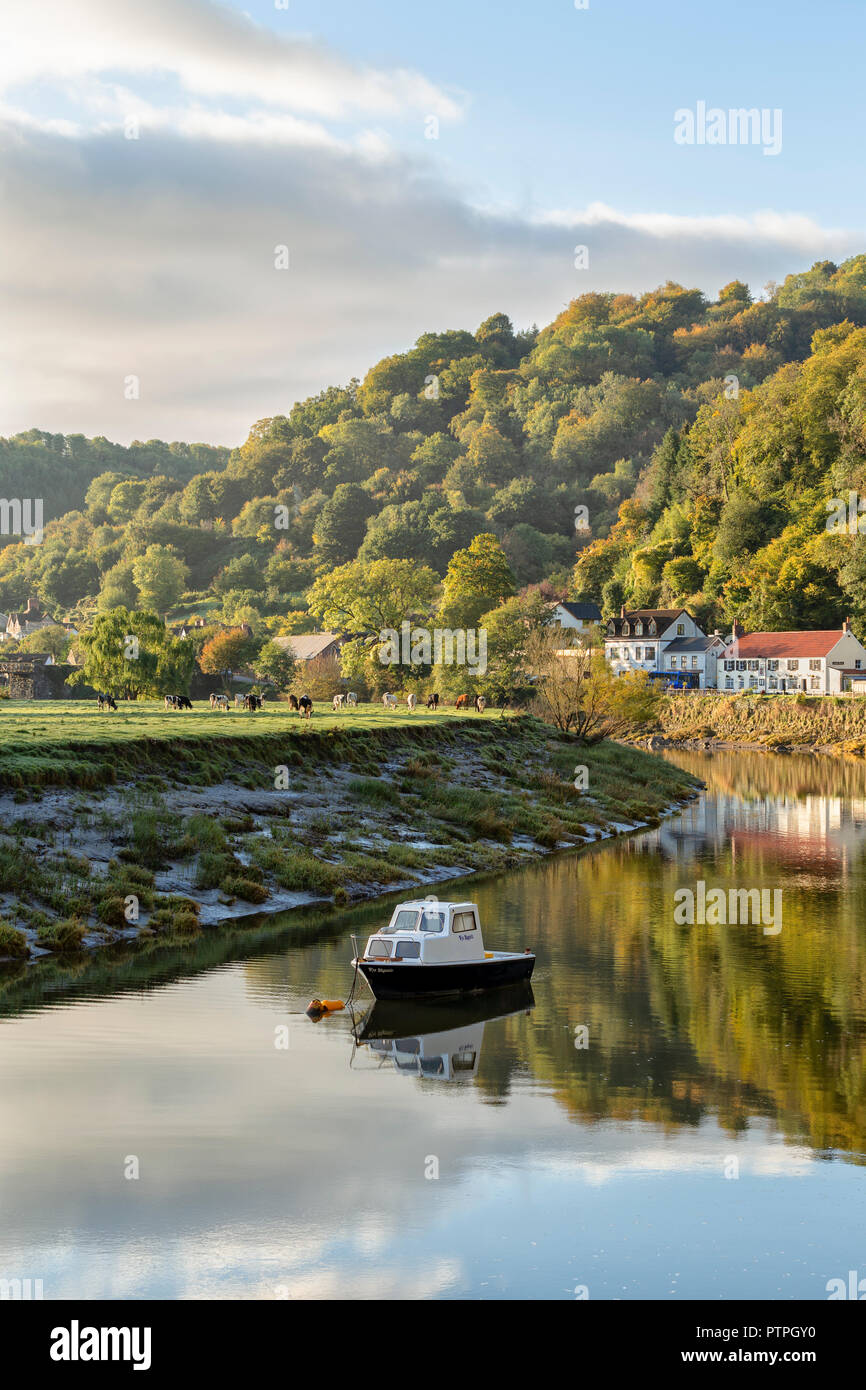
(431, 933)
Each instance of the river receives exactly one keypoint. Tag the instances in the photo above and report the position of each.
(674, 1111)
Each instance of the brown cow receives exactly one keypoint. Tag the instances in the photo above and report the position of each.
(462, 702)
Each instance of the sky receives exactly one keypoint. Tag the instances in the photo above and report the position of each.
(208, 212)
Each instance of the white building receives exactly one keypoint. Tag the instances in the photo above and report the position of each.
(693, 661)
(576, 616)
(819, 662)
(664, 642)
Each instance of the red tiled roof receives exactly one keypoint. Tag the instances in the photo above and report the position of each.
(786, 643)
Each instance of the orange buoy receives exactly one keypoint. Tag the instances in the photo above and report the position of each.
(317, 1007)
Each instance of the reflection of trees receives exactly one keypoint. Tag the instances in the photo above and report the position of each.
(684, 1021)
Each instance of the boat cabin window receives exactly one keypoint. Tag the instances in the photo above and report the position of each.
(433, 919)
(379, 948)
(463, 921)
(409, 950)
(432, 1066)
(406, 920)
(407, 1045)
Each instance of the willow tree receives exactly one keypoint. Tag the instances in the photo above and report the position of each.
(133, 654)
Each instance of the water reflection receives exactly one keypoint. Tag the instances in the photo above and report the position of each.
(559, 1162)
(439, 1042)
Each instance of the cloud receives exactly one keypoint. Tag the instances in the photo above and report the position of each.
(156, 258)
(212, 49)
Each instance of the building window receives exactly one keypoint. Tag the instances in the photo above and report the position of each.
(772, 665)
(625, 629)
(816, 683)
(652, 627)
(729, 665)
(754, 666)
(673, 663)
(694, 663)
(638, 629)
(793, 665)
(815, 664)
(741, 666)
(614, 653)
(856, 665)
(681, 629)
(650, 653)
(729, 682)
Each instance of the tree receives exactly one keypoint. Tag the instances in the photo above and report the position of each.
(510, 629)
(277, 664)
(578, 691)
(118, 588)
(476, 579)
(243, 572)
(341, 524)
(160, 576)
(53, 640)
(226, 653)
(364, 599)
(135, 655)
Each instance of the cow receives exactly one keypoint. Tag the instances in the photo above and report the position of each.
(169, 702)
(213, 700)
(252, 702)
(338, 701)
(104, 702)
(293, 702)
(411, 701)
(305, 706)
(480, 704)
(240, 702)
(183, 702)
(389, 701)
(433, 700)
(221, 702)
(352, 699)
(462, 702)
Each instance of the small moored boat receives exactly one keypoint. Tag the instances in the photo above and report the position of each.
(432, 948)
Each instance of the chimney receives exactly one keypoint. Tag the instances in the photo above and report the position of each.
(846, 626)
(738, 629)
(622, 610)
(716, 632)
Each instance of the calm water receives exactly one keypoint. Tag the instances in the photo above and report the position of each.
(306, 1171)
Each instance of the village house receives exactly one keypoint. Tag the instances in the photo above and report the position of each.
(576, 616)
(309, 646)
(818, 662)
(667, 643)
(30, 619)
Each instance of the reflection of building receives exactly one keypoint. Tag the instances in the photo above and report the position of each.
(812, 830)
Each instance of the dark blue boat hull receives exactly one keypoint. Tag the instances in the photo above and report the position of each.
(396, 981)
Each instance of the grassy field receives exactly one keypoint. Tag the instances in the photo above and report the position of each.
(201, 816)
(69, 742)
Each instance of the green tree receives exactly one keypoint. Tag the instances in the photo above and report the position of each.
(342, 523)
(364, 599)
(134, 655)
(477, 578)
(277, 664)
(53, 640)
(160, 576)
